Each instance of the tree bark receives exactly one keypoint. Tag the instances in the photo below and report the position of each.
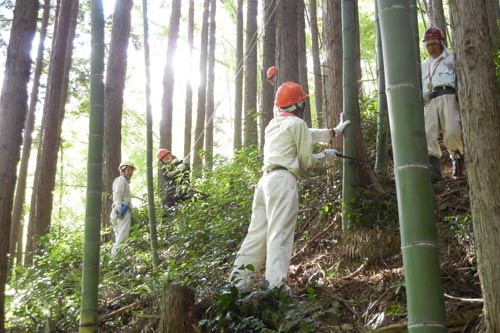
(188, 117)
(268, 52)
(480, 110)
(202, 94)
(209, 121)
(50, 138)
(16, 231)
(287, 43)
(437, 18)
(177, 309)
(238, 81)
(250, 136)
(493, 16)
(169, 77)
(301, 40)
(332, 68)
(318, 85)
(113, 102)
(13, 109)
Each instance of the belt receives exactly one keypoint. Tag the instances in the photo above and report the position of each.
(276, 169)
(442, 90)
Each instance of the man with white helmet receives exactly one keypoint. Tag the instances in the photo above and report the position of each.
(288, 148)
(121, 215)
(441, 105)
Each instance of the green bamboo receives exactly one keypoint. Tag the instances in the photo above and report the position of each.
(351, 111)
(149, 142)
(426, 311)
(90, 274)
(382, 119)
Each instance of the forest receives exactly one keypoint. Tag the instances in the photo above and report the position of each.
(135, 140)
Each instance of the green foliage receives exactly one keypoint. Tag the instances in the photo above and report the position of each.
(204, 233)
(369, 113)
(266, 310)
(48, 294)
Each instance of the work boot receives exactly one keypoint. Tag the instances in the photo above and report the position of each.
(458, 167)
(435, 167)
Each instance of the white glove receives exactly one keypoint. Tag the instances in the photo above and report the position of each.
(339, 129)
(427, 96)
(330, 154)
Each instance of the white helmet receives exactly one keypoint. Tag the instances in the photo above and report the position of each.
(125, 164)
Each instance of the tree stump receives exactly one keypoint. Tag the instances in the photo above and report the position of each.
(177, 309)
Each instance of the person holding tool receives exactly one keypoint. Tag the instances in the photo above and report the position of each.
(441, 105)
(288, 148)
(121, 215)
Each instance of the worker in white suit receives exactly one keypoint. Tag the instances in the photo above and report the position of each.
(121, 212)
(288, 148)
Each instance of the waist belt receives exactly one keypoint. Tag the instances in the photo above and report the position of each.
(276, 169)
(442, 90)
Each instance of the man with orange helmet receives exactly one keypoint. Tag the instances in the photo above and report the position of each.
(121, 216)
(319, 135)
(288, 148)
(441, 106)
(176, 174)
(271, 75)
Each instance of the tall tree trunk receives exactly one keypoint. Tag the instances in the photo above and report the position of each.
(301, 40)
(424, 291)
(287, 43)
(350, 179)
(202, 94)
(17, 212)
(209, 121)
(480, 110)
(238, 81)
(90, 271)
(113, 102)
(169, 78)
(436, 17)
(268, 53)
(492, 7)
(250, 136)
(188, 117)
(149, 140)
(382, 119)
(332, 71)
(318, 84)
(53, 115)
(13, 109)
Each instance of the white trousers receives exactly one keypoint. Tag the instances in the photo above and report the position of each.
(271, 231)
(441, 114)
(121, 227)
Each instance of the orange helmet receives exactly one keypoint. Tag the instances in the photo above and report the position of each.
(433, 33)
(271, 72)
(162, 152)
(288, 94)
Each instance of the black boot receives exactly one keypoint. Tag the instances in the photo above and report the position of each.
(435, 167)
(458, 166)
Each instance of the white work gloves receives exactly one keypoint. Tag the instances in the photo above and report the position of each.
(328, 155)
(339, 129)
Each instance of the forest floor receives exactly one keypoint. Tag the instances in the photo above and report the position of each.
(366, 292)
(356, 277)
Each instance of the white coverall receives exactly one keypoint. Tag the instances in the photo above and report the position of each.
(121, 225)
(288, 144)
(441, 112)
(319, 135)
